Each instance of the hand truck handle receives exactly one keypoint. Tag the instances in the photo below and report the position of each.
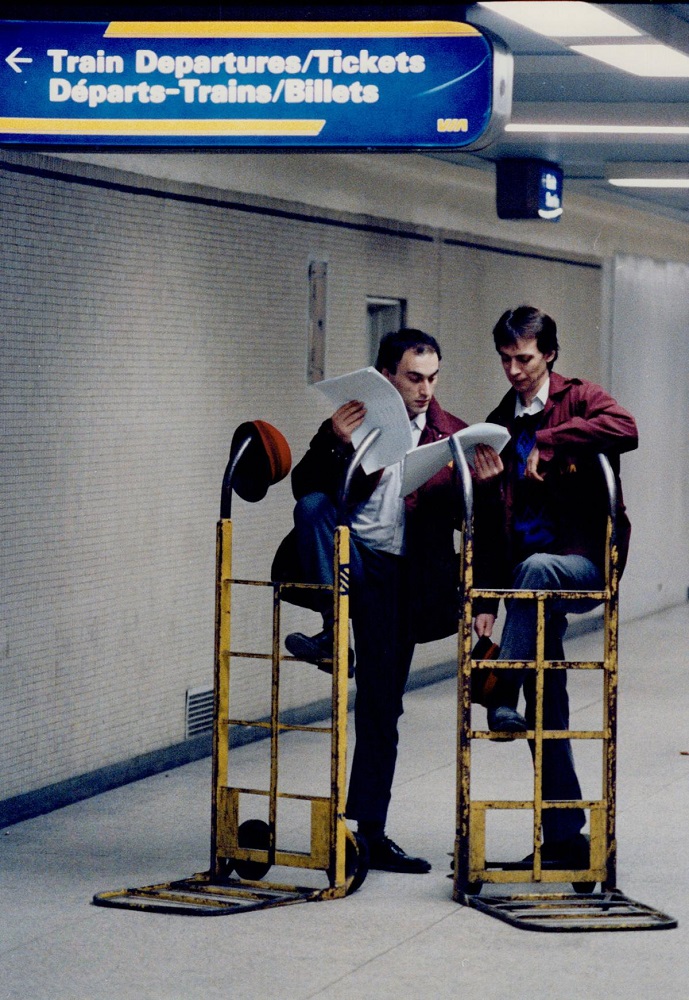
(611, 485)
(463, 474)
(230, 469)
(354, 463)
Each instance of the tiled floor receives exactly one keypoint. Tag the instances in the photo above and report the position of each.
(399, 936)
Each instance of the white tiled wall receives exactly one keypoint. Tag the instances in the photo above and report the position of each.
(138, 331)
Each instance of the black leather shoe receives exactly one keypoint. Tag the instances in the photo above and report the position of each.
(571, 854)
(386, 856)
(502, 719)
(317, 649)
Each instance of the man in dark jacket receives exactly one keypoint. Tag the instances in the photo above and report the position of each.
(403, 571)
(553, 507)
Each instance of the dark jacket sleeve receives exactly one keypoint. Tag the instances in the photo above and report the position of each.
(491, 568)
(595, 421)
(323, 467)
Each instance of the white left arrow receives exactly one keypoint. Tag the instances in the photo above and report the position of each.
(14, 58)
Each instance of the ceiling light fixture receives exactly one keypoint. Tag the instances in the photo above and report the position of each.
(589, 129)
(650, 59)
(563, 19)
(649, 182)
(648, 175)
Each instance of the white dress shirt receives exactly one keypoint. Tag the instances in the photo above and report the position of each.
(537, 403)
(379, 522)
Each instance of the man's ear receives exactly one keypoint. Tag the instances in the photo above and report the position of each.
(386, 373)
(549, 358)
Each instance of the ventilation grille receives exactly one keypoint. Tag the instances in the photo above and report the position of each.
(199, 711)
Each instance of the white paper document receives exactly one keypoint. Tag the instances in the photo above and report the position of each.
(384, 410)
(423, 462)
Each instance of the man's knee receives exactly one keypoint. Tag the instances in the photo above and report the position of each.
(537, 572)
(312, 508)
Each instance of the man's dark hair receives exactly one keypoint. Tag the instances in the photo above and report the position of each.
(393, 345)
(527, 323)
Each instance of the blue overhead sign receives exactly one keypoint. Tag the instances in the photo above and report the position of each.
(208, 84)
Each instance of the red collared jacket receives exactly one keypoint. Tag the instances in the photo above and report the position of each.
(580, 420)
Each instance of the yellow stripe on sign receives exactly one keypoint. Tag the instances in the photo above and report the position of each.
(165, 126)
(288, 29)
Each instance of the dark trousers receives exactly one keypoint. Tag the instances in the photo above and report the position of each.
(380, 611)
(543, 571)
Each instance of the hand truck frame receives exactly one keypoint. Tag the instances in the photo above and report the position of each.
(249, 849)
(584, 910)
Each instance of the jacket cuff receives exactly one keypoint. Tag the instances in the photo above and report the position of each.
(331, 443)
(485, 606)
(544, 443)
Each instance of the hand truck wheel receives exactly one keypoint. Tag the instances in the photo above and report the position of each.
(252, 833)
(584, 888)
(356, 862)
(225, 869)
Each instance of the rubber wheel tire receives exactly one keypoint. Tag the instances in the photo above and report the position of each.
(474, 888)
(584, 888)
(356, 862)
(225, 869)
(252, 833)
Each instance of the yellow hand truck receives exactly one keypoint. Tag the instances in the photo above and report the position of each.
(583, 909)
(242, 853)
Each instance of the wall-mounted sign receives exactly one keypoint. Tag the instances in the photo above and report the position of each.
(333, 84)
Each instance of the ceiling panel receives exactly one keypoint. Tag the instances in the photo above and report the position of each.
(554, 84)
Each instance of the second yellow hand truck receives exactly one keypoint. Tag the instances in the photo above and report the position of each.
(583, 909)
(242, 853)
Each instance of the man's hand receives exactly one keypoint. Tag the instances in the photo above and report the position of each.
(347, 418)
(531, 470)
(487, 463)
(483, 624)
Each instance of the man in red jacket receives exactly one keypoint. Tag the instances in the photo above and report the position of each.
(552, 509)
(403, 570)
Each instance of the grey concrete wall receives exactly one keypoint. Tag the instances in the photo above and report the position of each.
(649, 360)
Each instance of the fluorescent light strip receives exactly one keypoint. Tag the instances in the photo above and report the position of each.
(566, 19)
(642, 60)
(563, 128)
(650, 182)
(648, 174)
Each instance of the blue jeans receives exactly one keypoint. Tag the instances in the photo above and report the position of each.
(543, 571)
(379, 609)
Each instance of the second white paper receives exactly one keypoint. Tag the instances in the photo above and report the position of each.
(423, 462)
